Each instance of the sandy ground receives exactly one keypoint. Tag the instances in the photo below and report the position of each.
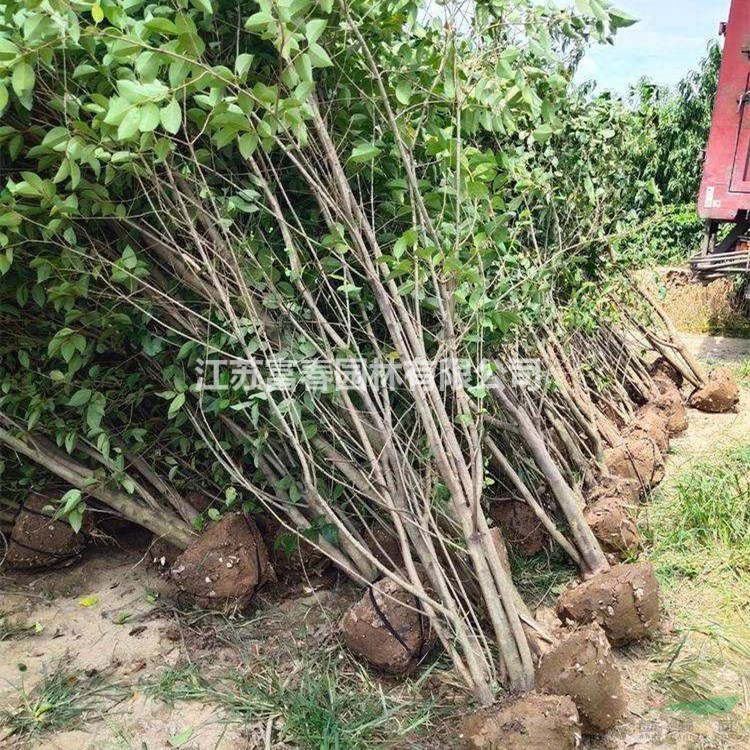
(130, 634)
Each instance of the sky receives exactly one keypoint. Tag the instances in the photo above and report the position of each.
(669, 40)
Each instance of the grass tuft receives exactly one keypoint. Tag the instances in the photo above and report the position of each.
(321, 706)
(60, 700)
(703, 521)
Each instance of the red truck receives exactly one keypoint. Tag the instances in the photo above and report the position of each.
(725, 189)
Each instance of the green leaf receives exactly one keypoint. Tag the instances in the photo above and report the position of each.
(242, 64)
(23, 78)
(69, 501)
(130, 125)
(88, 601)
(171, 117)
(80, 397)
(176, 405)
(204, 5)
(543, 133)
(620, 20)
(403, 92)
(3, 96)
(258, 21)
(97, 13)
(149, 118)
(247, 144)
(364, 152)
(706, 706)
(95, 411)
(8, 50)
(75, 519)
(314, 28)
(318, 56)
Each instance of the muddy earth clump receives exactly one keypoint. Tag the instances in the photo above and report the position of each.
(532, 722)
(37, 541)
(637, 458)
(624, 601)
(626, 491)
(667, 398)
(521, 528)
(388, 629)
(582, 667)
(163, 555)
(650, 423)
(226, 565)
(614, 526)
(662, 368)
(720, 395)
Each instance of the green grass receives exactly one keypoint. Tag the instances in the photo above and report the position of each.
(703, 520)
(324, 705)
(698, 537)
(61, 700)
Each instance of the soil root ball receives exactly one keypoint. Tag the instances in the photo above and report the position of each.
(226, 565)
(532, 722)
(624, 601)
(614, 526)
(638, 458)
(720, 395)
(387, 628)
(661, 368)
(650, 423)
(626, 491)
(582, 667)
(668, 400)
(37, 541)
(521, 528)
(163, 555)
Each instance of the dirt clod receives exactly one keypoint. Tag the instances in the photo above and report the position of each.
(39, 542)
(661, 368)
(669, 402)
(226, 565)
(163, 555)
(532, 722)
(637, 458)
(582, 667)
(650, 423)
(613, 525)
(720, 395)
(624, 601)
(521, 528)
(386, 627)
(627, 491)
